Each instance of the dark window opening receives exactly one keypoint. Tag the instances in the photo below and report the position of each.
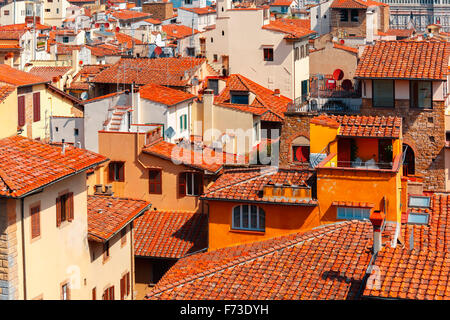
(420, 93)
(268, 54)
(239, 98)
(354, 15)
(383, 93)
(344, 14)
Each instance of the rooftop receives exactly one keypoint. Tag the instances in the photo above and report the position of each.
(164, 95)
(170, 234)
(178, 31)
(16, 77)
(5, 91)
(405, 60)
(49, 72)
(108, 215)
(355, 4)
(28, 164)
(293, 28)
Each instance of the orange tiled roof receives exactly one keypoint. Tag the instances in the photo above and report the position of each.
(362, 126)
(101, 51)
(129, 14)
(5, 91)
(170, 234)
(153, 21)
(293, 28)
(346, 48)
(164, 95)
(355, 4)
(28, 164)
(400, 32)
(198, 159)
(127, 40)
(200, 11)
(281, 3)
(11, 35)
(245, 184)
(405, 60)
(265, 99)
(23, 26)
(108, 215)
(18, 78)
(47, 73)
(328, 262)
(178, 31)
(162, 71)
(10, 46)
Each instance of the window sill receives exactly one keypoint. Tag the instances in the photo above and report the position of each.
(254, 232)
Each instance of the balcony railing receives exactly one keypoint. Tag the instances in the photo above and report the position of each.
(316, 105)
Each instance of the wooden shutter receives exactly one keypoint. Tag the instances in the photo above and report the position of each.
(111, 293)
(122, 288)
(94, 294)
(198, 183)
(35, 222)
(105, 295)
(69, 206)
(128, 283)
(155, 181)
(111, 171)
(58, 211)
(182, 184)
(21, 110)
(121, 171)
(36, 106)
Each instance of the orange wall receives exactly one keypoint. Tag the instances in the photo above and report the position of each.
(136, 175)
(280, 219)
(367, 147)
(321, 136)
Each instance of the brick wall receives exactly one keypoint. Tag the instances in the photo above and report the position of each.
(294, 125)
(159, 10)
(424, 132)
(8, 253)
(355, 28)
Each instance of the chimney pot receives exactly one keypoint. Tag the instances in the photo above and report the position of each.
(377, 218)
(276, 92)
(98, 189)
(108, 189)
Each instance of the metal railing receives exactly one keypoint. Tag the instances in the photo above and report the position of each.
(364, 165)
(313, 105)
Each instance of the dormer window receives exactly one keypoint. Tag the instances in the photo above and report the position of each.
(239, 97)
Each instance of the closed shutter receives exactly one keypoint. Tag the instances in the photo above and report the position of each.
(36, 106)
(35, 222)
(122, 288)
(128, 283)
(155, 182)
(58, 211)
(111, 171)
(111, 295)
(21, 110)
(69, 206)
(199, 183)
(121, 171)
(182, 184)
(94, 294)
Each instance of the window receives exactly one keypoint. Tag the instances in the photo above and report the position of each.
(125, 286)
(223, 33)
(215, 56)
(106, 251)
(47, 10)
(36, 106)
(35, 221)
(116, 171)
(64, 208)
(268, 54)
(6, 13)
(108, 294)
(296, 54)
(212, 40)
(383, 93)
(300, 153)
(183, 122)
(239, 97)
(75, 132)
(21, 110)
(353, 213)
(188, 1)
(213, 84)
(418, 218)
(354, 15)
(190, 52)
(65, 291)
(420, 94)
(65, 39)
(419, 202)
(190, 183)
(155, 181)
(344, 14)
(248, 217)
(94, 294)
(256, 131)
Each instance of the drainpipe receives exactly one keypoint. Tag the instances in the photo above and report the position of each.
(22, 212)
(132, 271)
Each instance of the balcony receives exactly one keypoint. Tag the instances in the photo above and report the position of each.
(331, 162)
(323, 105)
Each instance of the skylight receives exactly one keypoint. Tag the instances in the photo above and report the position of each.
(419, 202)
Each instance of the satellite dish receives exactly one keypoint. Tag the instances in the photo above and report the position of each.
(170, 132)
(159, 41)
(158, 51)
(338, 74)
(84, 95)
(342, 41)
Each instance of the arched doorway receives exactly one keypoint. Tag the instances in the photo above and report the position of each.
(409, 161)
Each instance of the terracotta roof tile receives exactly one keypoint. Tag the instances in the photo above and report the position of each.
(245, 184)
(107, 215)
(200, 11)
(24, 26)
(18, 78)
(48, 72)
(328, 262)
(405, 60)
(129, 14)
(362, 126)
(293, 28)
(127, 40)
(346, 48)
(164, 95)
(162, 71)
(170, 234)
(355, 4)
(28, 164)
(177, 31)
(5, 91)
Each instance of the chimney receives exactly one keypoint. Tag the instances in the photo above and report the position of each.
(208, 115)
(98, 189)
(276, 92)
(369, 25)
(63, 147)
(377, 219)
(108, 190)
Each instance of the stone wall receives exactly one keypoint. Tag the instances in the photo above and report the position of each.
(295, 125)
(358, 29)
(8, 252)
(424, 132)
(159, 10)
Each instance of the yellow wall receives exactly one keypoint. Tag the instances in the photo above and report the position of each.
(8, 115)
(321, 136)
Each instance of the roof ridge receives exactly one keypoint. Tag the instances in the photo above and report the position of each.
(303, 237)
